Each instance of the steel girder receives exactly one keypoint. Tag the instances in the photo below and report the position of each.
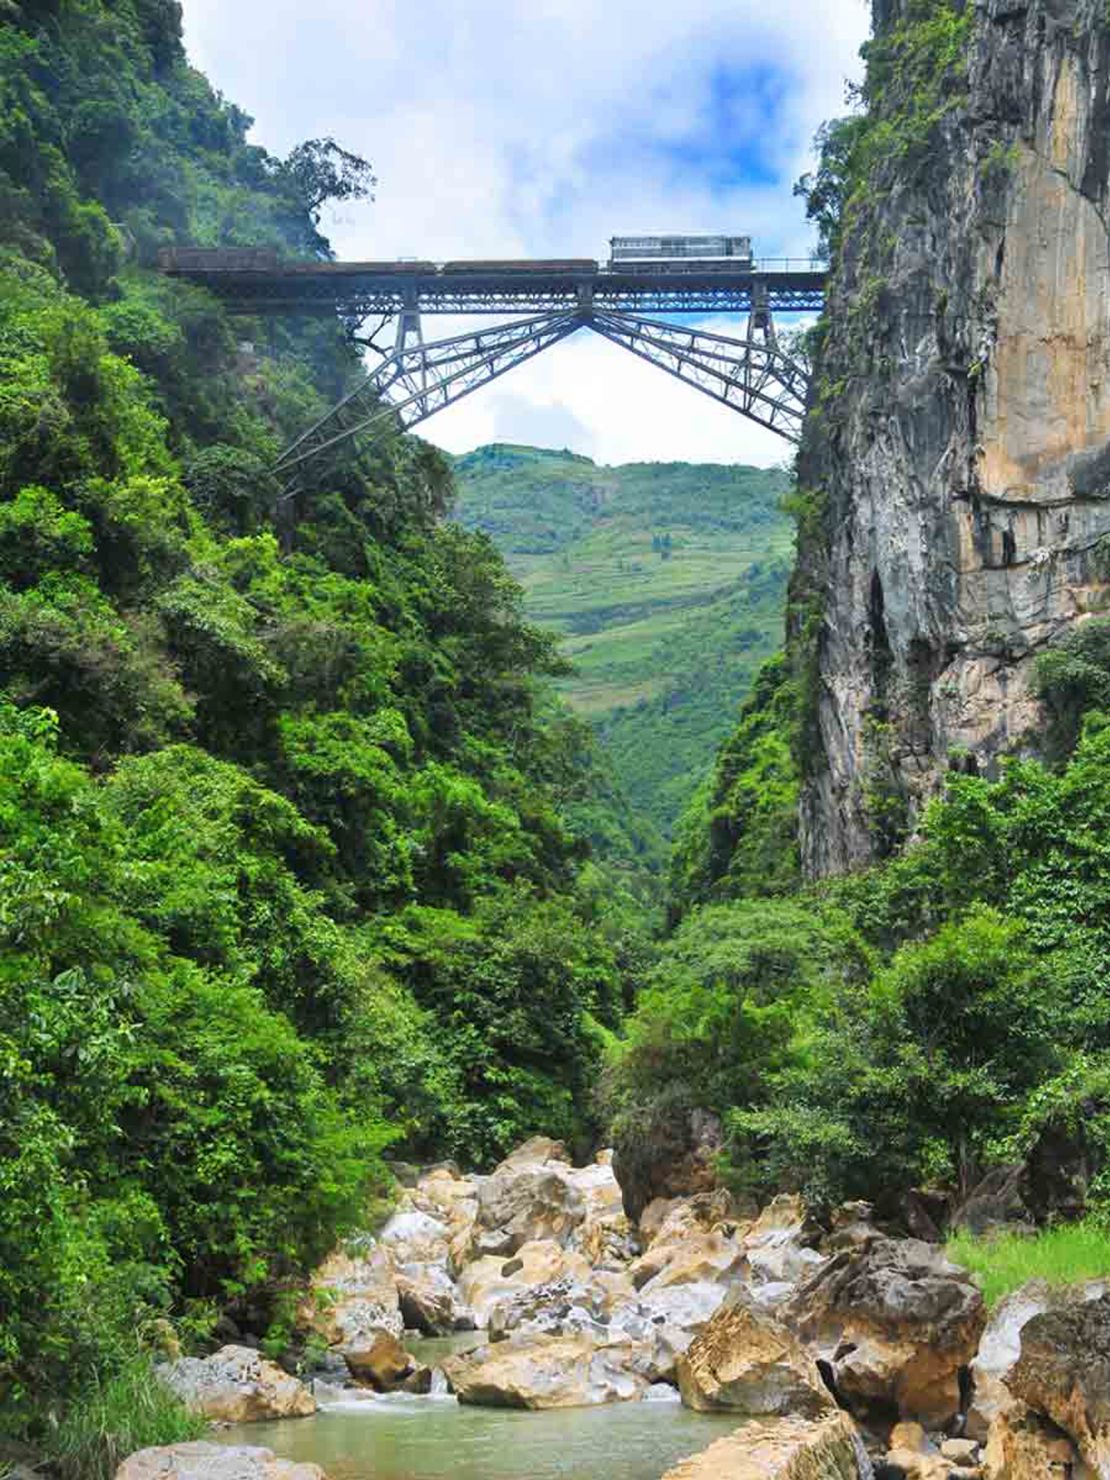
(419, 379)
(356, 294)
(754, 376)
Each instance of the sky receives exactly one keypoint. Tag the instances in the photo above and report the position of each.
(515, 128)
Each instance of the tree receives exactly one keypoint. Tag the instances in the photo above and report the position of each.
(826, 192)
(322, 171)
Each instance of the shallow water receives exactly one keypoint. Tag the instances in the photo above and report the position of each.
(408, 1438)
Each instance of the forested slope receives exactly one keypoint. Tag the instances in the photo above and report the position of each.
(941, 1018)
(668, 581)
(285, 876)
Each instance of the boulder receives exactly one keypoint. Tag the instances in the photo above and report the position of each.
(560, 1307)
(1000, 1346)
(486, 1281)
(668, 1151)
(411, 1236)
(1024, 1446)
(782, 1449)
(851, 1227)
(534, 1152)
(896, 1322)
(666, 1321)
(604, 1234)
(746, 1362)
(430, 1301)
(547, 1372)
(202, 1460)
(236, 1385)
(352, 1297)
(717, 1257)
(779, 1246)
(670, 1220)
(452, 1202)
(1064, 1373)
(523, 1203)
(382, 1365)
(995, 1202)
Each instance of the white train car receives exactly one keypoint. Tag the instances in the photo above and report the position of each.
(679, 253)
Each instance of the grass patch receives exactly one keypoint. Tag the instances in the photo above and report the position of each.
(1068, 1255)
(129, 1411)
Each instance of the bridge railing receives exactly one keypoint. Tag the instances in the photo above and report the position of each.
(790, 264)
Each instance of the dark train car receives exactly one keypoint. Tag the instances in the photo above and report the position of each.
(368, 269)
(218, 259)
(579, 266)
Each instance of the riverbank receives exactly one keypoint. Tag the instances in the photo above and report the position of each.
(518, 1326)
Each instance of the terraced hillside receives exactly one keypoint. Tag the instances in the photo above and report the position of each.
(668, 581)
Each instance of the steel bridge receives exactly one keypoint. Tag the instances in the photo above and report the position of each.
(754, 373)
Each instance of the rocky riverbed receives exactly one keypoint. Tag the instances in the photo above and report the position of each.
(834, 1352)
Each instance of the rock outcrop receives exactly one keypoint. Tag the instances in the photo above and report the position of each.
(1064, 1373)
(236, 1385)
(958, 455)
(785, 1449)
(201, 1460)
(1000, 1347)
(896, 1323)
(748, 1363)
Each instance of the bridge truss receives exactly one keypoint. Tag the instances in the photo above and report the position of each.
(754, 374)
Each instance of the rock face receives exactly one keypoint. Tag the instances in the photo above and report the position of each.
(748, 1363)
(896, 1323)
(1024, 1446)
(1064, 1373)
(786, 1449)
(962, 451)
(524, 1202)
(203, 1461)
(353, 1298)
(547, 1372)
(236, 1385)
(1000, 1347)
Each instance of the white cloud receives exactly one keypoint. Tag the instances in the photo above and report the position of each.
(501, 129)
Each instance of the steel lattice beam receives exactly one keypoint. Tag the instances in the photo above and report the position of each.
(420, 379)
(753, 376)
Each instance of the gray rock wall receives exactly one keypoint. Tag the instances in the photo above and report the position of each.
(963, 450)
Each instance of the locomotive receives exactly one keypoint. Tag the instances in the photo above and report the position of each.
(679, 253)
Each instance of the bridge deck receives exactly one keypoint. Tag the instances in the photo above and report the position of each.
(363, 288)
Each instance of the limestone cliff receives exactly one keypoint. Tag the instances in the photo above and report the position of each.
(958, 457)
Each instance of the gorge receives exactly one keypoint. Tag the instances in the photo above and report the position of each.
(351, 997)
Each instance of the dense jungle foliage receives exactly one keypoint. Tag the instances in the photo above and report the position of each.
(286, 871)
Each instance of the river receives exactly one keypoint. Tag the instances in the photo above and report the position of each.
(364, 1437)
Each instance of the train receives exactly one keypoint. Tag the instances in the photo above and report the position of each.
(268, 260)
(630, 255)
(679, 253)
(581, 266)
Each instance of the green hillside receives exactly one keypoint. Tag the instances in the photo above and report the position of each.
(667, 581)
